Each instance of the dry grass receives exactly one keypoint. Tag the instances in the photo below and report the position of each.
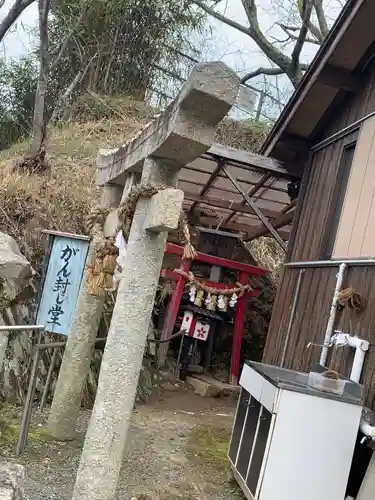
(268, 254)
(61, 198)
(247, 135)
(96, 107)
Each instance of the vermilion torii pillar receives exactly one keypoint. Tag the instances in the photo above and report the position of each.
(180, 135)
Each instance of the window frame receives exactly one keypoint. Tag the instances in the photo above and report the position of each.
(341, 185)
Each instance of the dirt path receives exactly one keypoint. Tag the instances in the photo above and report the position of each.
(176, 450)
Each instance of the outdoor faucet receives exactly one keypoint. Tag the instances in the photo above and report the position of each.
(313, 344)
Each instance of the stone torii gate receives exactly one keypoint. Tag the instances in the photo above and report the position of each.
(180, 135)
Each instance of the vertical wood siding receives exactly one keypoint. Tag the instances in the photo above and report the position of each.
(319, 202)
(318, 284)
(311, 319)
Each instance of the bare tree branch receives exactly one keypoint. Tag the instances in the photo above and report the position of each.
(39, 126)
(306, 15)
(14, 12)
(276, 56)
(66, 40)
(262, 71)
(220, 17)
(311, 26)
(291, 36)
(323, 25)
(284, 64)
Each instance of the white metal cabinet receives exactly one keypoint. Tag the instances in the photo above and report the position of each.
(288, 445)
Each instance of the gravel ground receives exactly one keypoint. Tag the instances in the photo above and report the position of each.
(176, 450)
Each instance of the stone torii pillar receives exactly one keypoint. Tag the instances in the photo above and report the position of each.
(62, 419)
(180, 135)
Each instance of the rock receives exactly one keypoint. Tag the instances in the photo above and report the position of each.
(208, 387)
(178, 459)
(12, 478)
(13, 265)
(6, 494)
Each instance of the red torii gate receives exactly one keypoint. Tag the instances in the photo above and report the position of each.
(244, 271)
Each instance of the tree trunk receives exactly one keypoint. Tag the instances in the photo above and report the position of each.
(63, 99)
(39, 125)
(109, 65)
(14, 12)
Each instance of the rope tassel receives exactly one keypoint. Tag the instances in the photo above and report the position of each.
(127, 209)
(100, 270)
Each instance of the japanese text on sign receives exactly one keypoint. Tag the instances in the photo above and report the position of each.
(61, 286)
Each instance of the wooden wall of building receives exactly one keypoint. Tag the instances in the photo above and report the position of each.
(355, 235)
(319, 202)
(311, 318)
(310, 241)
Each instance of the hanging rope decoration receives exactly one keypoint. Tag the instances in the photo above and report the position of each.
(96, 219)
(127, 209)
(351, 299)
(215, 297)
(191, 279)
(101, 267)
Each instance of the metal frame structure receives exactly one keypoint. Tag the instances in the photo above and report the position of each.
(236, 190)
(224, 188)
(38, 347)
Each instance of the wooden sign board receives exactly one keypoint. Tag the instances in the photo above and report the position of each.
(62, 280)
(246, 99)
(217, 243)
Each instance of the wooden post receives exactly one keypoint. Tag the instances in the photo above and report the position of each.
(256, 209)
(215, 275)
(239, 322)
(48, 380)
(171, 315)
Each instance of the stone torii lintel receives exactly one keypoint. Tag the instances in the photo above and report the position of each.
(184, 131)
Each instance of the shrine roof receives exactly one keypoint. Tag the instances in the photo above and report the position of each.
(207, 188)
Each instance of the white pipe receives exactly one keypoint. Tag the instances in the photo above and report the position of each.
(361, 347)
(18, 328)
(329, 263)
(332, 314)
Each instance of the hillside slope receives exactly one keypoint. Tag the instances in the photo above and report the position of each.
(61, 198)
